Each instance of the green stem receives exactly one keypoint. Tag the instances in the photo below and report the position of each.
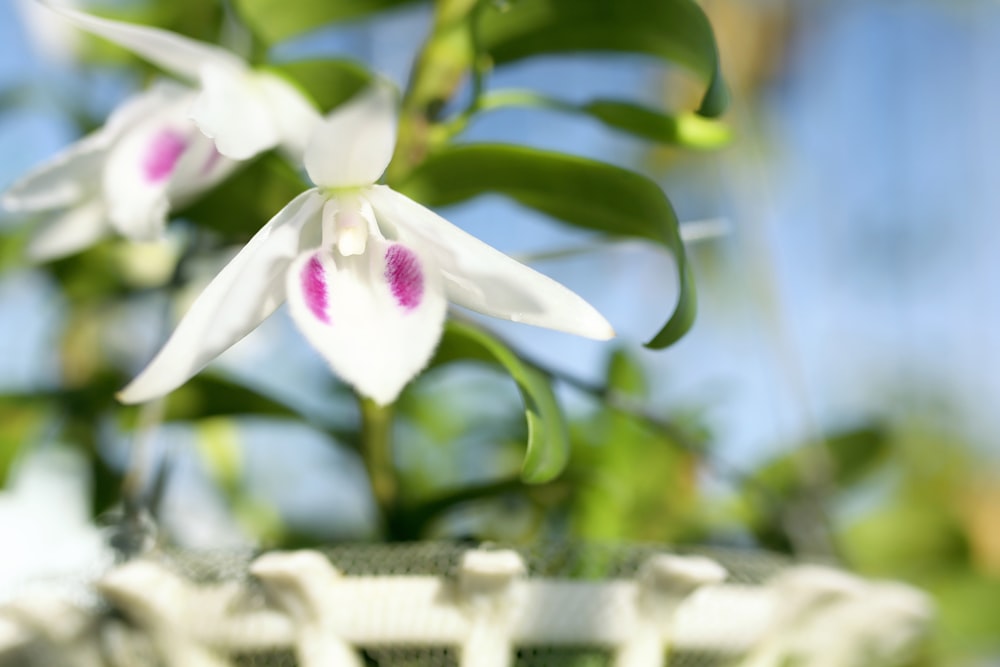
(376, 450)
(446, 58)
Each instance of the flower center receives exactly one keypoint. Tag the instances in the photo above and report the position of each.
(345, 226)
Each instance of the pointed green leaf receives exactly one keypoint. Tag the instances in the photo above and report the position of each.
(581, 192)
(277, 20)
(675, 30)
(548, 440)
(683, 129)
(687, 129)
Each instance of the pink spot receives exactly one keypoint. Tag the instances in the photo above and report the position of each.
(314, 288)
(406, 280)
(162, 154)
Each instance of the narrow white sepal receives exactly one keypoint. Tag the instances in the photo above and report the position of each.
(481, 278)
(239, 298)
(375, 317)
(354, 144)
(66, 179)
(179, 55)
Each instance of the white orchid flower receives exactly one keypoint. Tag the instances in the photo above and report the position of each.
(245, 111)
(124, 177)
(367, 273)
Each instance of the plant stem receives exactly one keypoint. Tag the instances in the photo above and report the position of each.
(446, 58)
(376, 450)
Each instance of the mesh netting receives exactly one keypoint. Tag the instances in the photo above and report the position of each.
(571, 560)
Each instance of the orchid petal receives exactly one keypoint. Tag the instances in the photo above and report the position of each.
(354, 145)
(376, 317)
(248, 112)
(68, 232)
(233, 110)
(179, 55)
(484, 279)
(239, 298)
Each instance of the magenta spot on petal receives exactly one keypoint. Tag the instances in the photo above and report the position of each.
(162, 154)
(314, 288)
(406, 280)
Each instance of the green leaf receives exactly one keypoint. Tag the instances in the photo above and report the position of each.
(675, 30)
(207, 396)
(626, 375)
(685, 129)
(21, 424)
(548, 441)
(857, 452)
(220, 447)
(329, 82)
(581, 192)
(277, 20)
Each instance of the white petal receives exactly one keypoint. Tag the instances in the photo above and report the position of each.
(141, 166)
(375, 317)
(69, 231)
(249, 112)
(233, 110)
(294, 114)
(179, 55)
(244, 293)
(353, 146)
(479, 277)
(74, 174)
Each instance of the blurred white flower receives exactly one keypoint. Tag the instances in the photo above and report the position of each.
(246, 111)
(125, 177)
(828, 618)
(45, 517)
